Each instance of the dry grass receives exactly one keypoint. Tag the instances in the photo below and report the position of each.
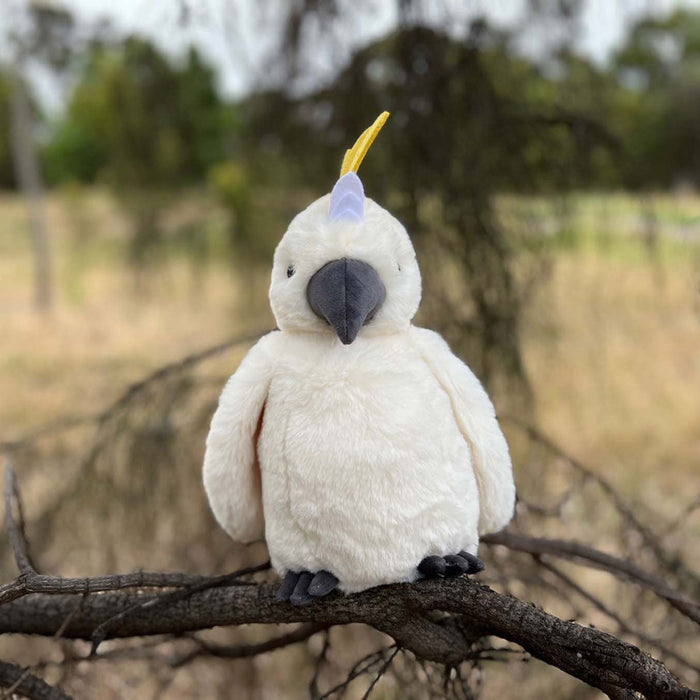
(104, 332)
(614, 362)
(611, 343)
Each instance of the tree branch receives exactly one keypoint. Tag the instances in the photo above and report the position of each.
(101, 632)
(622, 625)
(600, 560)
(401, 610)
(621, 505)
(244, 651)
(15, 528)
(437, 620)
(29, 581)
(17, 680)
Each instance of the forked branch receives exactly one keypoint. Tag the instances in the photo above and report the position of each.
(437, 620)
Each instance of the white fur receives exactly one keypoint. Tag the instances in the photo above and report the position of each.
(373, 455)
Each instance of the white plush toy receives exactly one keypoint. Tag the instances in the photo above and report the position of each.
(357, 444)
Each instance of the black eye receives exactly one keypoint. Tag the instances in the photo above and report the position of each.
(290, 270)
(399, 266)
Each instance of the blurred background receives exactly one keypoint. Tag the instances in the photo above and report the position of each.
(544, 155)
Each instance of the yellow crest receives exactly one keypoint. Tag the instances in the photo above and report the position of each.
(355, 155)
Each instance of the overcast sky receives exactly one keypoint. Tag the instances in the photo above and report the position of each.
(236, 34)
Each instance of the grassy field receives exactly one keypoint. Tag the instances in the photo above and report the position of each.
(611, 343)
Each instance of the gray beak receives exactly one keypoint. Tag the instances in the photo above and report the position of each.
(347, 294)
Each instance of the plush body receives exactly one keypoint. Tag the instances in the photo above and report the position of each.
(359, 457)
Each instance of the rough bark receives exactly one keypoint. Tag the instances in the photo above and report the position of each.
(405, 612)
(15, 680)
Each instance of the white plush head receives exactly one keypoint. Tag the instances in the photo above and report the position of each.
(331, 237)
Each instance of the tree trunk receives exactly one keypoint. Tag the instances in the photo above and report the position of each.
(28, 178)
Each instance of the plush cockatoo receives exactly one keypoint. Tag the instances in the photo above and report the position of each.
(357, 444)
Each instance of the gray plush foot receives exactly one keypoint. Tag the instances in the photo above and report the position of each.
(300, 595)
(301, 587)
(322, 584)
(432, 567)
(455, 566)
(287, 588)
(475, 564)
(450, 566)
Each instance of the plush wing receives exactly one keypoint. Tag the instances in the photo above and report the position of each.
(477, 422)
(231, 469)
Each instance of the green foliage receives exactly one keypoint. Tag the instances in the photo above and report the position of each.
(137, 120)
(145, 126)
(659, 112)
(74, 153)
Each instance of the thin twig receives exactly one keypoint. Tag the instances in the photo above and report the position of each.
(130, 393)
(623, 626)
(101, 632)
(588, 556)
(364, 665)
(17, 680)
(56, 585)
(244, 651)
(682, 517)
(649, 538)
(15, 529)
(69, 618)
(384, 668)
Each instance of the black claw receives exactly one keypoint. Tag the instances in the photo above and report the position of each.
(322, 584)
(475, 564)
(301, 596)
(455, 565)
(287, 588)
(432, 566)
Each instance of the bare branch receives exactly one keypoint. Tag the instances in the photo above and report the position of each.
(243, 651)
(364, 665)
(131, 392)
(622, 625)
(102, 630)
(382, 670)
(40, 583)
(621, 505)
(592, 557)
(402, 610)
(15, 528)
(17, 680)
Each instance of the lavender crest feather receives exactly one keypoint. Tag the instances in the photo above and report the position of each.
(347, 199)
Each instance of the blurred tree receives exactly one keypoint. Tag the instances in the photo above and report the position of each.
(144, 126)
(469, 122)
(137, 120)
(39, 33)
(473, 118)
(7, 177)
(659, 65)
(231, 184)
